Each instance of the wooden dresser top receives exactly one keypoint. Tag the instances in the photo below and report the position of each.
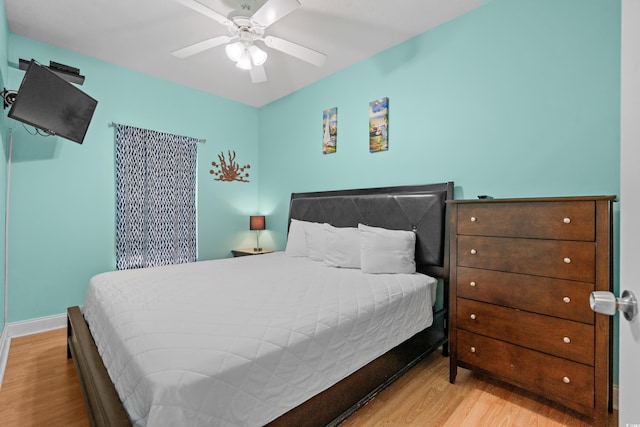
(535, 199)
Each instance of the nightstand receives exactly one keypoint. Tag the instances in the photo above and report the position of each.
(249, 251)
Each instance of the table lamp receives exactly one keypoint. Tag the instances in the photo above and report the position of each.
(257, 222)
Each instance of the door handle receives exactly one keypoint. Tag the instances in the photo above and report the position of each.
(607, 303)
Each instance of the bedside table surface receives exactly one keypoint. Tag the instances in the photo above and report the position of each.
(250, 251)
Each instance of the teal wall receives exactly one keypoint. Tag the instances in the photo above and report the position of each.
(63, 204)
(4, 137)
(517, 98)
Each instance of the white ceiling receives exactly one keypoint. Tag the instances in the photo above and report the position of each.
(141, 34)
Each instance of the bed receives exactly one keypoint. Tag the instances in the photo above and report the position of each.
(371, 328)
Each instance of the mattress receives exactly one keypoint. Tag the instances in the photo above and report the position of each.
(240, 341)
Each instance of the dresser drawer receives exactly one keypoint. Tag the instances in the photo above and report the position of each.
(541, 220)
(567, 299)
(550, 258)
(562, 338)
(550, 376)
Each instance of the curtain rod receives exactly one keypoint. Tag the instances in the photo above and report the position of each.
(201, 140)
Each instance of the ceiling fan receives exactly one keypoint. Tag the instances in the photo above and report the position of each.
(246, 26)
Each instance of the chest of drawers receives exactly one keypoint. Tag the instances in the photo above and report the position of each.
(522, 271)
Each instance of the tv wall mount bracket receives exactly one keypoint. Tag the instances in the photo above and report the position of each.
(67, 72)
(8, 97)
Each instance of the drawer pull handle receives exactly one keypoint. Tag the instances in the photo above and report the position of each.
(473, 219)
(567, 340)
(473, 317)
(566, 299)
(472, 284)
(472, 349)
(566, 380)
(473, 251)
(567, 260)
(567, 220)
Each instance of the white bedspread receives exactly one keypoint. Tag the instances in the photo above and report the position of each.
(241, 341)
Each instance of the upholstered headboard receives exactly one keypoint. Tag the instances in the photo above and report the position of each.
(420, 208)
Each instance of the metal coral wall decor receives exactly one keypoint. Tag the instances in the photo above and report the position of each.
(229, 170)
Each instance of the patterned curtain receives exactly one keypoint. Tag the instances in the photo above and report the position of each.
(155, 198)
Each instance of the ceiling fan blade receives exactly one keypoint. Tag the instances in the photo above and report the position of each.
(311, 56)
(274, 10)
(201, 46)
(206, 11)
(258, 75)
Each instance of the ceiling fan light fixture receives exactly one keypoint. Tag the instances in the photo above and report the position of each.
(246, 26)
(244, 63)
(258, 56)
(234, 51)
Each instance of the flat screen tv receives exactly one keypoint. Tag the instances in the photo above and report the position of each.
(52, 104)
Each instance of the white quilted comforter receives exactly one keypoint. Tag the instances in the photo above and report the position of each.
(241, 341)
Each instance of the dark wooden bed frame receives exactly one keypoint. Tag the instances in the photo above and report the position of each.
(420, 208)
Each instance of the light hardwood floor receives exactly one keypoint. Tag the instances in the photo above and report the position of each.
(40, 388)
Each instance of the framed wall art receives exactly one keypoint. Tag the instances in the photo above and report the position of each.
(379, 125)
(329, 130)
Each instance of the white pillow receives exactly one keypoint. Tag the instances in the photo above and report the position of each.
(342, 247)
(315, 240)
(296, 240)
(387, 251)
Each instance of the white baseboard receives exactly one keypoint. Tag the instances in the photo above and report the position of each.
(34, 326)
(26, 327)
(4, 352)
